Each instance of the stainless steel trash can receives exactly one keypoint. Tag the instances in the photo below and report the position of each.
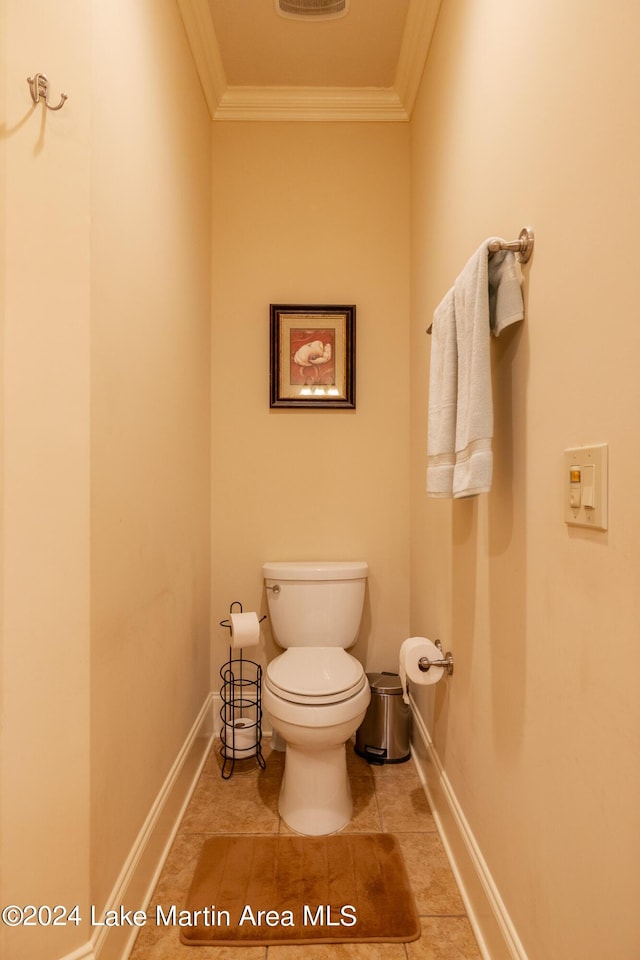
(384, 736)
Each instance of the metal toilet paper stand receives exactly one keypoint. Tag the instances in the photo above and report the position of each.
(241, 710)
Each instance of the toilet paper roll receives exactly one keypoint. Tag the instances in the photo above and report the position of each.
(245, 629)
(241, 742)
(411, 651)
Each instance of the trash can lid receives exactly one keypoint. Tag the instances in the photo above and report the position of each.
(384, 683)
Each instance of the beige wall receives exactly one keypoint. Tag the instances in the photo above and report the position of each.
(311, 213)
(44, 793)
(150, 415)
(528, 114)
(106, 305)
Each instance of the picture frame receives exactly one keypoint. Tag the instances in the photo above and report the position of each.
(312, 356)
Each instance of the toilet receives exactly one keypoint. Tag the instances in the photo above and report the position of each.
(315, 693)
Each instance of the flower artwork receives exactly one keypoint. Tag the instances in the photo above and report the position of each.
(312, 356)
(312, 360)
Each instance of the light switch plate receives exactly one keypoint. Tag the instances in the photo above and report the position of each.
(596, 460)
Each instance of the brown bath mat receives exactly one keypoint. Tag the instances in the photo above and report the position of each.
(266, 890)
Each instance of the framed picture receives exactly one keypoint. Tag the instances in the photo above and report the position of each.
(312, 356)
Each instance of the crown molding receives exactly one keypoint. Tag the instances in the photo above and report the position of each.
(416, 40)
(310, 103)
(201, 35)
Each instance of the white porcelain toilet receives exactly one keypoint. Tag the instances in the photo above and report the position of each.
(315, 693)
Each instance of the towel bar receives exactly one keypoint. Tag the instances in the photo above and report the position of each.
(523, 246)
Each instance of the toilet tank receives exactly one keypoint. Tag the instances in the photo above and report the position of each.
(315, 604)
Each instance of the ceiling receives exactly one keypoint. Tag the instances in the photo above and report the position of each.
(256, 65)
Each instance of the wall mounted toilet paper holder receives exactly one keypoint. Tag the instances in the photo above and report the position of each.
(425, 664)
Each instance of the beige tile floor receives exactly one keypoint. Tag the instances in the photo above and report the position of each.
(386, 798)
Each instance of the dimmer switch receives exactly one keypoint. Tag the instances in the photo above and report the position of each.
(585, 486)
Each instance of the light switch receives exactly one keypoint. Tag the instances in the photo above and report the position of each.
(587, 498)
(586, 486)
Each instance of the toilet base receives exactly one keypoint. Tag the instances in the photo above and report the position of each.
(315, 797)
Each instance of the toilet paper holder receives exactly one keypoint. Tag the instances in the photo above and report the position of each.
(446, 661)
(236, 603)
(241, 710)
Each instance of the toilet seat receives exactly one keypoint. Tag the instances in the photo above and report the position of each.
(315, 675)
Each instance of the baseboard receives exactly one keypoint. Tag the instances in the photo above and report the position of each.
(492, 925)
(216, 701)
(142, 867)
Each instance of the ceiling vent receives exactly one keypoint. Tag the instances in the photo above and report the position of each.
(312, 9)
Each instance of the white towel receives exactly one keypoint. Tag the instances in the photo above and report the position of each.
(486, 298)
(443, 400)
(505, 291)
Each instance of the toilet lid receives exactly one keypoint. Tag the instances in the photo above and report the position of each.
(315, 674)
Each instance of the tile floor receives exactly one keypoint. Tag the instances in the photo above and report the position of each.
(386, 798)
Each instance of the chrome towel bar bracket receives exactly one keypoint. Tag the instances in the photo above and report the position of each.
(523, 246)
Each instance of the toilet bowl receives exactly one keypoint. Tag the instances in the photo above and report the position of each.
(315, 693)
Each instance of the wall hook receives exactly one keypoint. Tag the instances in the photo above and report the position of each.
(39, 89)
